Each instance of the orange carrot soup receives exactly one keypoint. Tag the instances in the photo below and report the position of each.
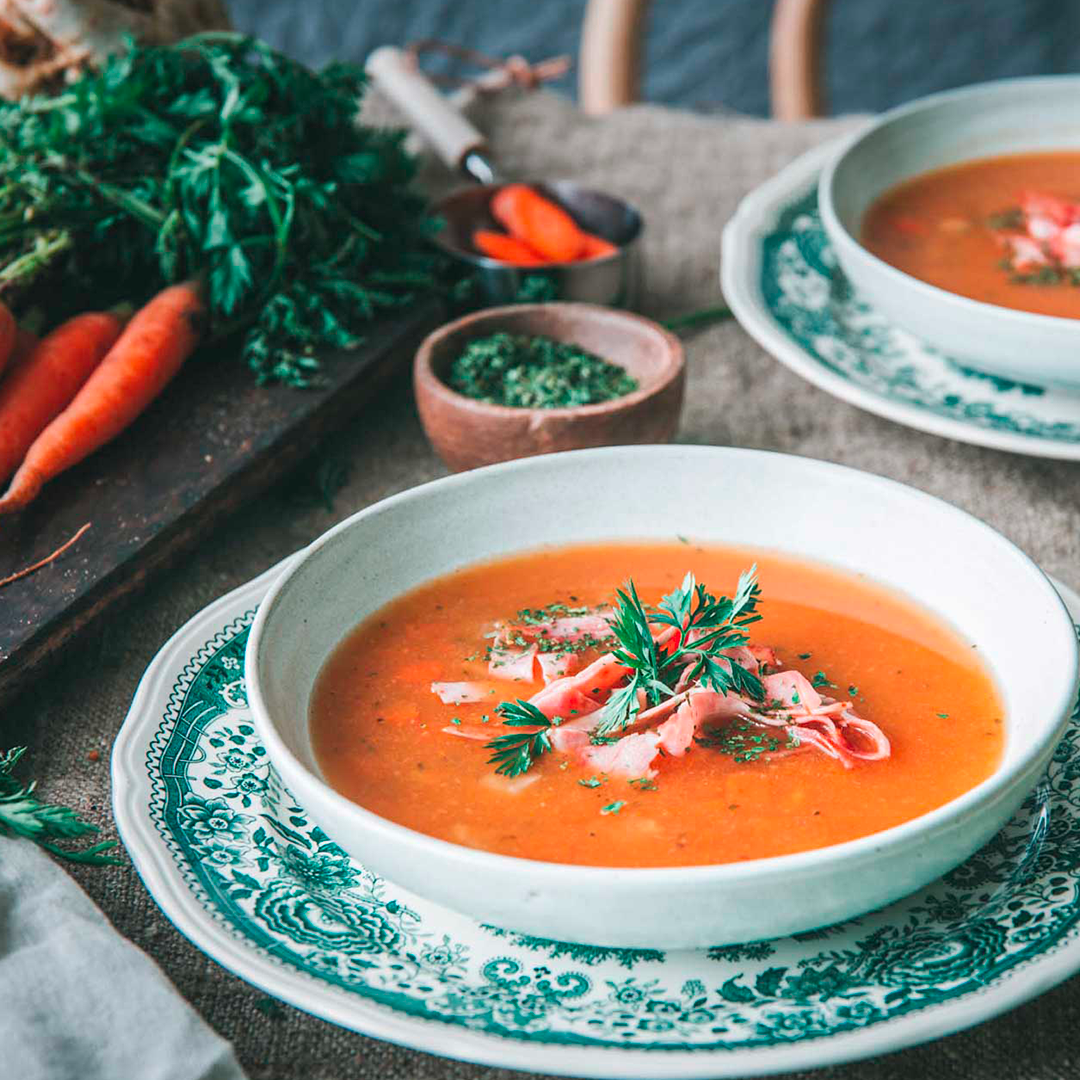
(653, 705)
(1005, 230)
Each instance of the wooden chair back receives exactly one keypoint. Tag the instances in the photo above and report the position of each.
(609, 64)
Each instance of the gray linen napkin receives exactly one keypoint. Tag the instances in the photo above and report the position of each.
(77, 1000)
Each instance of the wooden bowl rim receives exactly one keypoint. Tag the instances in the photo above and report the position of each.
(672, 365)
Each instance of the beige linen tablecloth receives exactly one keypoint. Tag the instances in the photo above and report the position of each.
(687, 173)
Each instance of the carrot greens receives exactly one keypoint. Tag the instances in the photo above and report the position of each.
(221, 159)
(23, 814)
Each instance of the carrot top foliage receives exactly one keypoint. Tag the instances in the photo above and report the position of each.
(222, 159)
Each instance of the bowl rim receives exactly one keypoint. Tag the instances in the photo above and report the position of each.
(842, 237)
(425, 375)
(996, 786)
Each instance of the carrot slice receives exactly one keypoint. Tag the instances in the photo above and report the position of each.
(42, 382)
(505, 208)
(135, 370)
(543, 225)
(506, 248)
(596, 247)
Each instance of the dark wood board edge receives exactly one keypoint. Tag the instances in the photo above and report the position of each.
(285, 450)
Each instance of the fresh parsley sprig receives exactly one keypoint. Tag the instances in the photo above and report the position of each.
(515, 753)
(720, 623)
(23, 814)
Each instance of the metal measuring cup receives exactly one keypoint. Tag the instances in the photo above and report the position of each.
(612, 280)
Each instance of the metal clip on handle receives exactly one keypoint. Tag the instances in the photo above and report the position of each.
(452, 137)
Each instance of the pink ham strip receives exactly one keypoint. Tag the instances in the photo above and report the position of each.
(462, 693)
(512, 661)
(482, 733)
(676, 734)
(1035, 204)
(568, 628)
(557, 665)
(1026, 253)
(568, 740)
(600, 675)
(564, 700)
(519, 664)
(631, 756)
(791, 688)
(516, 664)
(1065, 247)
(574, 628)
(879, 745)
(765, 655)
(1051, 236)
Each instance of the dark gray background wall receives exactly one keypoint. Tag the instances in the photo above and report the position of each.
(706, 54)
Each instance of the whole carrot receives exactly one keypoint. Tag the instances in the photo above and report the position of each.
(506, 249)
(149, 352)
(42, 382)
(8, 331)
(546, 227)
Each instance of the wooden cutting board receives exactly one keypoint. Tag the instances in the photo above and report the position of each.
(214, 440)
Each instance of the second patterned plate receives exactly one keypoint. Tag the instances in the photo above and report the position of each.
(781, 281)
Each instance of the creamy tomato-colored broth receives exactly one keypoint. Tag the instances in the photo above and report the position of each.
(949, 227)
(377, 728)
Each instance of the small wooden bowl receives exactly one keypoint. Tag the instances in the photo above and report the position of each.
(467, 434)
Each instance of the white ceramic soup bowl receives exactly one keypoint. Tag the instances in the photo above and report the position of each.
(953, 564)
(1007, 117)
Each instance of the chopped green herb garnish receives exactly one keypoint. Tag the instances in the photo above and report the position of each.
(644, 783)
(820, 680)
(536, 373)
(744, 742)
(1012, 218)
(943, 715)
(612, 808)
(456, 720)
(538, 616)
(805, 655)
(853, 690)
(592, 782)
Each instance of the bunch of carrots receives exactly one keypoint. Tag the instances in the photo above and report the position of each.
(67, 394)
(538, 231)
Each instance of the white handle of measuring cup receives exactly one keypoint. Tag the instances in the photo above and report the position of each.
(451, 135)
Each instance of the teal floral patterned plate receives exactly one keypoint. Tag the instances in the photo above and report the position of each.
(782, 282)
(240, 869)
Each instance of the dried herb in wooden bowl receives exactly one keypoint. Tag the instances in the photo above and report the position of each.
(536, 373)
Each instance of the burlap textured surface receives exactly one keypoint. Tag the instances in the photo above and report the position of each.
(687, 173)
